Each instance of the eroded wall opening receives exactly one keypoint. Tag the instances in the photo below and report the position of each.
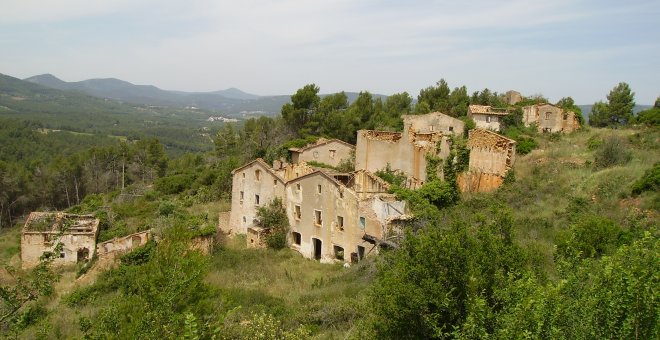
(317, 246)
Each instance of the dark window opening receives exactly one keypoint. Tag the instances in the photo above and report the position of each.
(317, 217)
(83, 255)
(340, 222)
(296, 212)
(256, 199)
(296, 238)
(339, 252)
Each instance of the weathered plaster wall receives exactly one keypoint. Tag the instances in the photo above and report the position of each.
(123, 244)
(268, 187)
(331, 153)
(34, 244)
(481, 121)
(433, 122)
(331, 202)
(550, 118)
(491, 157)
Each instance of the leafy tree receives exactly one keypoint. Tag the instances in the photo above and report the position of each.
(302, 108)
(433, 98)
(618, 110)
(650, 117)
(273, 218)
(568, 104)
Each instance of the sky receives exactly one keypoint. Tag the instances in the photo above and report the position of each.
(557, 48)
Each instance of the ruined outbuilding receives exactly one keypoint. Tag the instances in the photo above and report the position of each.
(491, 158)
(487, 117)
(407, 151)
(512, 97)
(326, 151)
(550, 118)
(44, 230)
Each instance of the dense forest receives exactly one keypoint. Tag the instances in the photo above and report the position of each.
(568, 247)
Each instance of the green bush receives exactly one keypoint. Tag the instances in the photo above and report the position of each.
(525, 145)
(174, 184)
(612, 152)
(650, 181)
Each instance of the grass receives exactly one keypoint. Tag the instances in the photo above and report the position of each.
(291, 287)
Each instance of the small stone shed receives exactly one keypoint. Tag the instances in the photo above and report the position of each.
(44, 230)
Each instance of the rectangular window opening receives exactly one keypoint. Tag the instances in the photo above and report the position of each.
(256, 199)
(257, 174)
(339, 252)
(363, 222)
(317, 217)
(318, 188)
(296, 212)
(296, 238)
(340, 222)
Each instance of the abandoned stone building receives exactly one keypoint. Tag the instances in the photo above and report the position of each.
(345, 216)
(550, 118)
(512, 97)
(333, 216)
(487, 117)
(407, 151)
(327, 151)
(491, 157)
(44, 230)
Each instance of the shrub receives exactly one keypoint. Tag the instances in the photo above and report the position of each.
(273, 217)
(650, 181)
(174, 184)
(612, 152)
(525, 145)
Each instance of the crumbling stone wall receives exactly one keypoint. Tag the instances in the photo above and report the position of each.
(491, 157)
(123, 244)
(433, 122)
(550, 118)
(331, 152)
(44, 230)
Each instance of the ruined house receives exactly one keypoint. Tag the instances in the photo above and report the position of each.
(124, 244)
(254, 185)
(332, 216)
(340, 217)
(44, 230)
(407, 151)
(550, 118)
(491, 157)
(512, 97)
(487, 117)
(327, 151)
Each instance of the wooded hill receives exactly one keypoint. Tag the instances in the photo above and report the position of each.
(566, 248)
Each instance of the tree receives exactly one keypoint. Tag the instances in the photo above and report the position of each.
(618, 110)
(273, 218)
(433, 98)
(568, 104)
(303, 106)
(621, 103)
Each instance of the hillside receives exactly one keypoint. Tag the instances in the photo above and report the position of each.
(556, 191)
(232, 101)
(178, 128)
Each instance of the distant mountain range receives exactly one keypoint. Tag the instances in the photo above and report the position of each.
(232, 101)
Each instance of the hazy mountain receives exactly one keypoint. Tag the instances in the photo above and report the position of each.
(231, 101)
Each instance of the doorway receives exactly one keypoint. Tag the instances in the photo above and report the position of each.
(317, 248)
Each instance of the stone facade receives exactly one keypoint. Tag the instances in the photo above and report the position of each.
(491, 157)
(44, 230)
(331, 152)
(433, 122)
(332, 216)
(550, 118)
(123, 244)
(486, 117)
(254, 184)
(512, 97)
(406, 151)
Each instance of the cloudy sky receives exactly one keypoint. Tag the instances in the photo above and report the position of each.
(578, 48)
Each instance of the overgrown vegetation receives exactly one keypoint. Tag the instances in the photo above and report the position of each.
(548, 255)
